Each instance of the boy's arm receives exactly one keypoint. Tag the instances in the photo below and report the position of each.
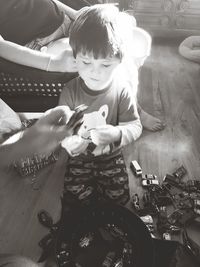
(120, 135)
(129, 119)
(130, 131)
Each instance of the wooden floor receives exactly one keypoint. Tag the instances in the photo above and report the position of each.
(169, 89)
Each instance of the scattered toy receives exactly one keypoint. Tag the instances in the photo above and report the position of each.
(135, 167)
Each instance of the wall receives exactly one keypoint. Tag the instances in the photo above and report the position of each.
(166, 17)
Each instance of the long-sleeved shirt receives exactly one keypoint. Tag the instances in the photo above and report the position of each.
(115, 105)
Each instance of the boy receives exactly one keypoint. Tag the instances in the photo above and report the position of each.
(96, 166)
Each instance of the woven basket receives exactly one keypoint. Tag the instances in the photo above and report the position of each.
(28, 89)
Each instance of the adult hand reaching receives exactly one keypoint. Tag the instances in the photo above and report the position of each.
(62, 58)
(44, 136)
(47, 133)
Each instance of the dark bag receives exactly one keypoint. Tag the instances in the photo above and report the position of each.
(69, 242)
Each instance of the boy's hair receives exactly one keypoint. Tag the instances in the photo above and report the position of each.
(96, 31)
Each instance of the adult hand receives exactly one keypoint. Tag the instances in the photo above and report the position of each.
(62, 58)
(66, 61)
(48, 132)
(105, 134)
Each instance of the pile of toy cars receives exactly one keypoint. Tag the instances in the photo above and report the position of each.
(168, 208)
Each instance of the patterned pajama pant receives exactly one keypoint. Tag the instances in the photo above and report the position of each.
(97, 179)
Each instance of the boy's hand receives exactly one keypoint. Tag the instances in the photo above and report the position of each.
(75, 145)
(105, 135)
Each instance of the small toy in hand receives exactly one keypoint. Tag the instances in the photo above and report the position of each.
(78, 113)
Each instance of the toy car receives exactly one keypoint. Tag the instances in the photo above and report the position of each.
(135, 202)
(119, 263)
(127, 253)
(135, 167)
(180, 172)
(192, 186)
(197, 206)
(172, 180)
(147, 219)
(116, 232)
(109, 259)
(148, 182)
(166, 236)
(181, 216)
(149, 177)
(86, 240)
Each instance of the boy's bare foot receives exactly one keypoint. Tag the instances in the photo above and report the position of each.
(150, 122)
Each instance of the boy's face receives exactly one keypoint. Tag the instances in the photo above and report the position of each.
(96, 73)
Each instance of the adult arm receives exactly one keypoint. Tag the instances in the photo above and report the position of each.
(43, 137)
(62, 62)
(72, 13)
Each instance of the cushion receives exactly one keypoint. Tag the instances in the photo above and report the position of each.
(9, 120)
(30, 165)
(190, 48)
